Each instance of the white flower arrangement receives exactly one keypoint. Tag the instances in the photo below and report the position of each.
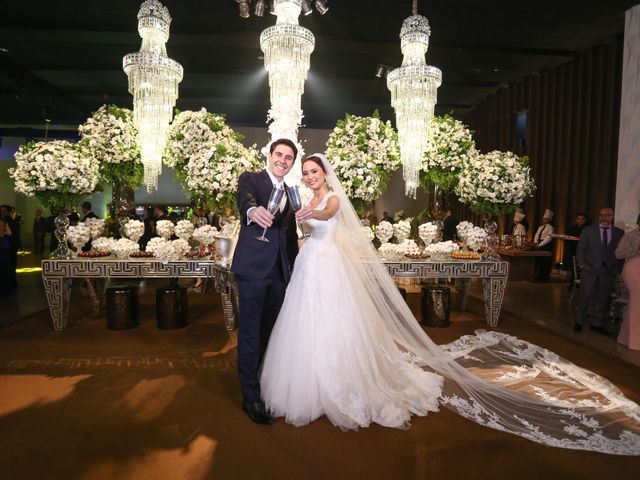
(103, 244)
(496, 182)
(475, 238)
(402, 230)
(440, 248)
(208, 157)
(181, 246)
(463, 228)
(205, 235)
(368, 233)
(134, 229)
(428, 232)
(123, 247)
(56, 172)
(363, 151)
(78, 235)
(110, 136)
(96, 226)
(409, 247)
(451, 145)
(165, 228)
(390, 251)
(184, 229)
(384, 231)
(154, 243)
(171, 250)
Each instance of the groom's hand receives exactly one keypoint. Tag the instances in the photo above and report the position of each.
(261, 216)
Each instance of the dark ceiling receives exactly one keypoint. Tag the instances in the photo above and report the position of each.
(62, 60)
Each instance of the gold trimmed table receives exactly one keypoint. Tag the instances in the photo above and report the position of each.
(493, 275)
(57, 276)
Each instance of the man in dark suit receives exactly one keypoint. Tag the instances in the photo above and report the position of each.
(598, 268)
(262, 269)
(40, 229)
(86, 211)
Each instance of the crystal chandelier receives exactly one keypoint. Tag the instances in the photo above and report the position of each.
(153, 82)
(287, 47)
(413, 89)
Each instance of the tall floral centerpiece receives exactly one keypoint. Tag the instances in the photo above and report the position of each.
(208, 158)
(364, 152)
(450, 147)
(495, 182)
(58, 173)
(110, 136)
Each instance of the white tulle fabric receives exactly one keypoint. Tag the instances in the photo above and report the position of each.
(347, 346)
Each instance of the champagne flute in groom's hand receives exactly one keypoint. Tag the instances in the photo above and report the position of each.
(296, 204)
(274, 203)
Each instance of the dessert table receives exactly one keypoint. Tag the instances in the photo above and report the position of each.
(57, 276)
(493, 275)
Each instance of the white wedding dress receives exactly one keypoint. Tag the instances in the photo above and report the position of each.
(347, 346)
(325, 357)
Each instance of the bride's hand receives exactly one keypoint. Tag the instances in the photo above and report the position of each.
(303, 214)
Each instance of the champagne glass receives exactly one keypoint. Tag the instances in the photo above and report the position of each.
(272, 207)
(296, 204)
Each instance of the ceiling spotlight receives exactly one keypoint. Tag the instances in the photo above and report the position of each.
(321, 6)
(243, 6)
(306, 7)
(381, 70)
(259, 8)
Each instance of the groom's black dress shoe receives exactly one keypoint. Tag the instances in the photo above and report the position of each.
(257, 412)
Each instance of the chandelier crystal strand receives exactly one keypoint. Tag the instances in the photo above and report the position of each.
(287, 48)
(153, 82)
(413, 89)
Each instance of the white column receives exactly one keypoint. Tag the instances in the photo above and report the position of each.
(628, 181)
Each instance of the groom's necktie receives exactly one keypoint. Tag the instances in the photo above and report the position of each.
(605, 236)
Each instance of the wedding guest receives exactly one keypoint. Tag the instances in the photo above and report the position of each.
(570, 246)
(40, 229)
(386, 217)
(86, 211)
(598, 269)
(518, 227)
(51, 228)
(17, 218)
(543, 241)
(449, 225)
(11, 227)
(6, 273)
(629, 250)
(149, 227)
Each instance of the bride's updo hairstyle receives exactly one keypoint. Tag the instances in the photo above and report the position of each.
(316, 160)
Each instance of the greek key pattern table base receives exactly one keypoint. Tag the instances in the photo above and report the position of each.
(492, 274)
(57, 276)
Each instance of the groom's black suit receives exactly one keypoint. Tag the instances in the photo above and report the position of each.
(261, 270)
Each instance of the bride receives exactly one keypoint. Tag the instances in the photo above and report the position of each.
(347, 346)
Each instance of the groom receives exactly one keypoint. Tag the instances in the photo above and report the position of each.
(261, 269)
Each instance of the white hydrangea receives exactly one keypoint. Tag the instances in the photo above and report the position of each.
(442, 247)
(463, 229)
(368, 233)
(409, 247)
(390, 251)
(475, 238)
(96, 226)
(123, 247)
